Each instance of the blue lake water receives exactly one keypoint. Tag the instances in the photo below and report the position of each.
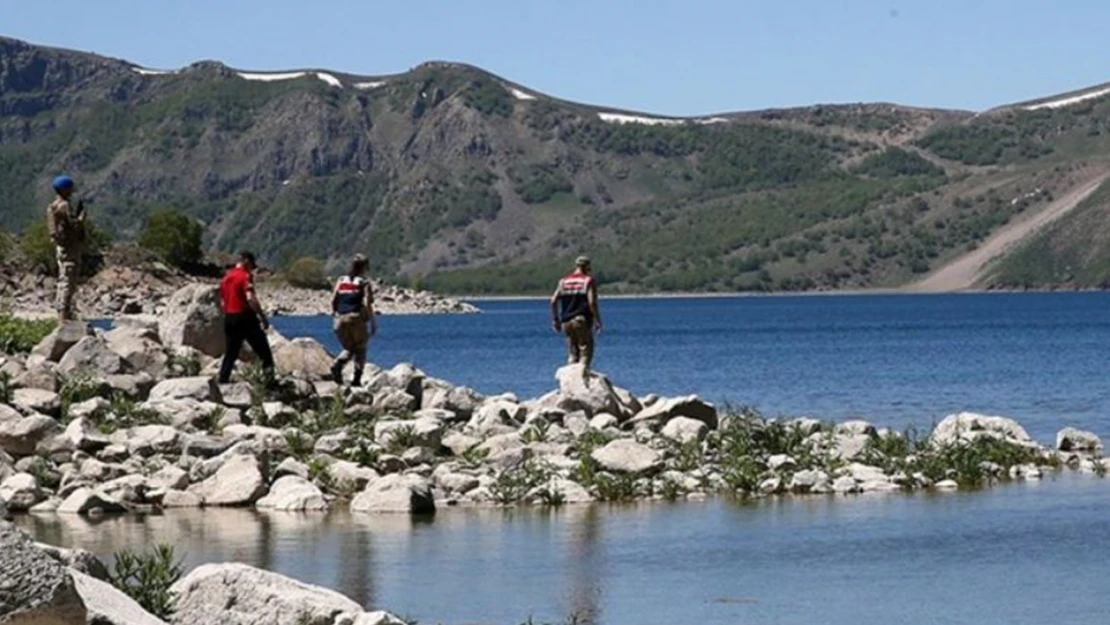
(897, 360)
(1018, 554)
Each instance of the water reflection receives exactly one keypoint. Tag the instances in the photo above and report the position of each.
(1026, 548)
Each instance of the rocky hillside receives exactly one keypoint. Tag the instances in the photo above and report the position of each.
(474, 184)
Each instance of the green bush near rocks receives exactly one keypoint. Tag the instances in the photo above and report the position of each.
(147, 578)
(19, 336)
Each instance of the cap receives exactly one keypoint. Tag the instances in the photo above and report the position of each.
(62, 183)
(582, 261)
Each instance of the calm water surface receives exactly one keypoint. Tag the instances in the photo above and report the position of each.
(1013, 555)
(896, 360)
(1030, 553)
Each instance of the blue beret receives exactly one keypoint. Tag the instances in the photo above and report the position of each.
(63, 182)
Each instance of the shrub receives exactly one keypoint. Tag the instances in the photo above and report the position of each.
(306, 272)
(173, 237)
(38, 248)
(19, 336)
(147, 578)
(77, 388)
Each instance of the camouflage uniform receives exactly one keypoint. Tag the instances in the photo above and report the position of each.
(67, 230)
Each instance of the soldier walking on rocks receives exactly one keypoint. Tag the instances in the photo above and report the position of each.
(243, 319)
(574, 311)
(65, 222)
(352, 304)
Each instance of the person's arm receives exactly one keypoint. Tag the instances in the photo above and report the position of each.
(369, 305)
(256, 306)
(335, 298)
(595, 310)
(555, 311)
(53, 225)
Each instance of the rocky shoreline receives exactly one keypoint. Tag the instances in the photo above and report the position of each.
(119, 289)
(131, 420)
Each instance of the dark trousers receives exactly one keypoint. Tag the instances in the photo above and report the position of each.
(239, 328)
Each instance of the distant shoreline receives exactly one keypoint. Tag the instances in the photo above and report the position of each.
(739, 294)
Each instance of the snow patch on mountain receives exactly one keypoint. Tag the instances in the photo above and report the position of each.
(521, 95)
(373, 84)
(150, 72)
(1068, 101)
(621, 118)
(328, 78)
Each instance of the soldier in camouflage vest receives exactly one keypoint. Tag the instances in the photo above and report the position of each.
(65, 222)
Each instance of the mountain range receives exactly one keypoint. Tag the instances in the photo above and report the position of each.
(464, 182)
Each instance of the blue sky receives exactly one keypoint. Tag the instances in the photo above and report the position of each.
(668, 57)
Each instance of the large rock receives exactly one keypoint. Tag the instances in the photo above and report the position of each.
(147, 440)
(108, 606)
(426, 431)
(396, 493)
(303, 358)
(34, 588)
(661, 412)
(58, 342)
(293, 493)
(21, 491)
(37, 400)
(197, 388)
(350, 475)
(588, 391)
(19, 435)
(86, 501)
(685, 429)
(967, 426)
(239, 482)
(1071, 439)
(461, 401)
(77, 559)
(84, 433)
(91, 355)
(193, 319)
(139, 348)
(494, 415)
(237, 594)
(628, 456)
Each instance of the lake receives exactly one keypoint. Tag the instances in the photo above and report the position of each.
(897, 360)
(1027, 553)
(1022, 553)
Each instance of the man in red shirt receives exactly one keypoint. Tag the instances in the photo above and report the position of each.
(243, 318)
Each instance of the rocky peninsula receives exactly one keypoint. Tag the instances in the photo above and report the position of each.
(137, 283)
(131, 419)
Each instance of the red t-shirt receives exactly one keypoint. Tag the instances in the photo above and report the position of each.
(233, 291)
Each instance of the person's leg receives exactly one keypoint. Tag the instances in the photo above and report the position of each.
(573, 354)
(256, 338)
(586, 340)
(359, 339)
(67, 282)
(233, 339)
(344, 356)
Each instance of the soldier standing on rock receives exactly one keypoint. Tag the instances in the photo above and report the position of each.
(352, 304)
(66, 224)
(574, 310)
(243, 318)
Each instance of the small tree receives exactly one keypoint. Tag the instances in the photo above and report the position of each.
(38, 248)
(174, 237)
(306, 272)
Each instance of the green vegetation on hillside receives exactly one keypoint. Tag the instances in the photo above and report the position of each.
(893, 162)
(441, 174)
(1072, 252)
